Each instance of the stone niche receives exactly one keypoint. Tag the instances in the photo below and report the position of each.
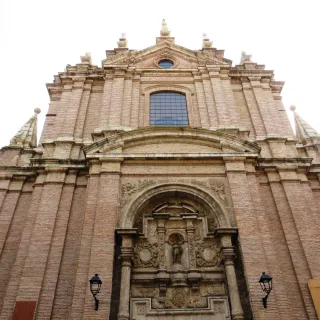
(176, 265)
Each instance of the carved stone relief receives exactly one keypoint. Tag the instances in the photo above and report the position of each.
(130, 188)
(207, 255)
(217, 187)
(144, 292)
(212, 289)
(145, 255)
(181, 256)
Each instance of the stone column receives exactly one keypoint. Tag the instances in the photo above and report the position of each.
(228, 256)
(126, 265)
(161, 239)
(190, 235)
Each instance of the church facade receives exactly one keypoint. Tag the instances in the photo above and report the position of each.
(174, 176)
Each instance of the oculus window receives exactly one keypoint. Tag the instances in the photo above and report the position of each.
(168, 109)
(165, 63)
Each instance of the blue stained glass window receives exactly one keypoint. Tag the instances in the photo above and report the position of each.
(165, 63)
(168, 109)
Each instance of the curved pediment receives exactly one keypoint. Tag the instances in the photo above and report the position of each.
(170, 141)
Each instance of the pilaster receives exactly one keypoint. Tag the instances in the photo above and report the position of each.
(280, 299)
(82, 271)
(126, 102)
(9, 206)
(17, 269)
(253, 108)
(234, 117)
(295, 303)
(82, 114)
(266, 109)
(102, 234)
(116, 99)
(135, 101)
(202, 104)
(106, 100)
(71, 112)
(280, 192)
(219, 97)
(12, 238)
(250, 237)
(41, 240)
(49, 285)
(210, 105)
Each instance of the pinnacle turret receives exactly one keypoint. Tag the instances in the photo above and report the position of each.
(303, 130)
(26, 137)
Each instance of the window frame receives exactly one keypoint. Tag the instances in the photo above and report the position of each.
(171, 110)
(186, 91)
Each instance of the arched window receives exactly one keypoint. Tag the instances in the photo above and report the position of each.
(168, 109)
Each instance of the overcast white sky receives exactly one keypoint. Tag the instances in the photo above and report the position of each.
(38, 38)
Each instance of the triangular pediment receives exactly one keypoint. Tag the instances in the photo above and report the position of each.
(170, 142)
(183, 57)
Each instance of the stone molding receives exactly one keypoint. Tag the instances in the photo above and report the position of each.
(132, 207)
(101, 148)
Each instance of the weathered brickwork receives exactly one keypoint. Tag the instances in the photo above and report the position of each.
(236, 190)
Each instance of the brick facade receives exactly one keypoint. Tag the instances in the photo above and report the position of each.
(99, 165)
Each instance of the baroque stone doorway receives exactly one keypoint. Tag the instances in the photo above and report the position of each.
(182, 263)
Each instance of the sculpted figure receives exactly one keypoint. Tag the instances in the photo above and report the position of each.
(176, 253)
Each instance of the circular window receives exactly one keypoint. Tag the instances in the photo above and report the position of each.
(165, 63)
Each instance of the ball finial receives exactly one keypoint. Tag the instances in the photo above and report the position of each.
(292, 108)
(37, 110)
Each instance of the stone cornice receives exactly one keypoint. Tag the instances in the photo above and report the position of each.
(170, 156)
(283, 164)
(58, 163)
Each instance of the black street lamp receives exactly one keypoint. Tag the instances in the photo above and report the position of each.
(95, 285)
(266, 285)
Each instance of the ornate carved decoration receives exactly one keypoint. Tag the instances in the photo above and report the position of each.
(220, 308)
(130, 188)
(207, 255)
(211, 224)
(217, 188)
(179, 297)
(141, 309)
(143, 292)
(145, 255)
(192, 257)
(161, 239)
(196, 302)
(212, 289)
(197, 231)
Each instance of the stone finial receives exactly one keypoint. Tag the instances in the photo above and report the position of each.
(86, 58)
(164, 32)
(206, 43)
(37, 110)
(245, 57)
(303, 129)
(122, 43)
(26, 137)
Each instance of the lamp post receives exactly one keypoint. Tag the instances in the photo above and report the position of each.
(95, 285)
(266, 285)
